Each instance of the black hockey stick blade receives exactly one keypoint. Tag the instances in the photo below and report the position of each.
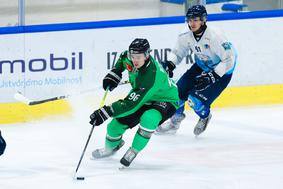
(21, 98)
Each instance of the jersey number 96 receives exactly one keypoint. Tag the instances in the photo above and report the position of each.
(134, 97)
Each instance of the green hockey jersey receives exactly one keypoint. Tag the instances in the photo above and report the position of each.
(150, 83)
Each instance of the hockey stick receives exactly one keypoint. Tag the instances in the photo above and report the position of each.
(89, 136)
(21, 98)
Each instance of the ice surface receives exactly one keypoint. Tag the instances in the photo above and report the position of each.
(241, 148)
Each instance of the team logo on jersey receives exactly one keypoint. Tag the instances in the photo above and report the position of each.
(206, 46)
(226, 46)
(161, 104)
(129, 67)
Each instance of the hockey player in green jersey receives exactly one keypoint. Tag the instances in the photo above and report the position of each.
(152, 100)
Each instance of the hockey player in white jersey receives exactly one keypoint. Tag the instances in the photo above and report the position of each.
(211, 72)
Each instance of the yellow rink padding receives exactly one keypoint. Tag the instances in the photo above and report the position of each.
(249, 95)
(19, 112)
(231, 97)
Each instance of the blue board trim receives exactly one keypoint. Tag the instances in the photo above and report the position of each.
(218, 1)
(173, 1)
(135, 22)
(207, 1)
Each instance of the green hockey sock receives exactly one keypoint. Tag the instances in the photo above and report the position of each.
(115, 131)
(148, 123)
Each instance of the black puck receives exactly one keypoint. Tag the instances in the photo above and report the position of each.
(80, 178)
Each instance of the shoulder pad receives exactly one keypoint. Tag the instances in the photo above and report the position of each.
(184, 33)
(124, 54)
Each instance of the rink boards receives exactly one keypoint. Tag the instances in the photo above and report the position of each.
(231, 97)
(51, 60)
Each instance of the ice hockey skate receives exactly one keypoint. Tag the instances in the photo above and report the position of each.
(106, 152)
(201, 125)
(171, 127)
(128, 157)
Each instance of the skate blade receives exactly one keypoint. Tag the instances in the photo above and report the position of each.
(123, 168)
(100, 158)
(166, 133)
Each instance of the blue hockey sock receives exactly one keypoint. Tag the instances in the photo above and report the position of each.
(201, 109)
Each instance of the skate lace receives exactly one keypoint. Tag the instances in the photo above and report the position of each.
(104, 151)
(177, 118)
(130, 155)
(202, 123)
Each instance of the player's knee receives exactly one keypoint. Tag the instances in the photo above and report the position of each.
(145, 133)
(150, 119)
(197, 105)
(115, 128)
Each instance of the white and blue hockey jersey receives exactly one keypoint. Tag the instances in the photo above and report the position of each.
(212, 52)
